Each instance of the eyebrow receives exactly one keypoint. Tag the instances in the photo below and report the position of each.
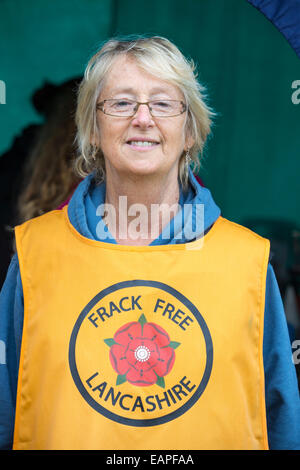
(131, 91)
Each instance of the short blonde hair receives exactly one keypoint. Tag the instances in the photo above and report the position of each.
(159, 57)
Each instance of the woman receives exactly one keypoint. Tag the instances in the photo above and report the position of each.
(147, 334)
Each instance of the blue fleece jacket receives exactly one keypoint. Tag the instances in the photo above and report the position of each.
(281, 387)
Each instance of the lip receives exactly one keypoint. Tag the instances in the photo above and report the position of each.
(142, 139)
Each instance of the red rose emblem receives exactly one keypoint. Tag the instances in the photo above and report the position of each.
(141, 353)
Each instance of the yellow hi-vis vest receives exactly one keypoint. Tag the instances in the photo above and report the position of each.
(141, 347)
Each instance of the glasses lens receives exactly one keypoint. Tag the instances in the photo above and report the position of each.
(119, 107)
(165, 107)
(159, 108)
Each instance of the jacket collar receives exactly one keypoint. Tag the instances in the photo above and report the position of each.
(197, 201)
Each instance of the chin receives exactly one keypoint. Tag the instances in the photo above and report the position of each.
(143, 168)
(143, 171)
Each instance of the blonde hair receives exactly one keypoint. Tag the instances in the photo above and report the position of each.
(159, 57)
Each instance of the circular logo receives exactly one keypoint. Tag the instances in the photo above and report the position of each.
(140, 353)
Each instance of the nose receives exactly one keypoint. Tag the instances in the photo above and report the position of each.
(143, 117)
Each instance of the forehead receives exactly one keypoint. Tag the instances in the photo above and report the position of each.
(126, 76)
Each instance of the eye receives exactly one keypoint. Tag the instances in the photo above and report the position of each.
(161, 104)
(121, 103)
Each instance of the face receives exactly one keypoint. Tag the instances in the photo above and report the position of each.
(119, 135)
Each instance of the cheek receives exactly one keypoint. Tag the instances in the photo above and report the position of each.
(176, 131)
(107, 134)
(177, 137)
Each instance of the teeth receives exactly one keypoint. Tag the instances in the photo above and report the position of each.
(142, 143)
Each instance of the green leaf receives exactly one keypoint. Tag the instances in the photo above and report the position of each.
(121, 379)
(160, 381)
(142, 320)
(109, 341)
(174, 344)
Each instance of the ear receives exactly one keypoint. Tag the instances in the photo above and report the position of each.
(189, 139)
(95, 140)
(189, 142)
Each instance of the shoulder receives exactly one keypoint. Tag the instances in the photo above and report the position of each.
(41, 224)
(39, 233)
(235, 236)
(44, 219)
(241, 230)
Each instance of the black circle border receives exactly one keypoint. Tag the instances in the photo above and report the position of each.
(153, 421)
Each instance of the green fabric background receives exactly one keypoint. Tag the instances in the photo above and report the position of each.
(251, 162)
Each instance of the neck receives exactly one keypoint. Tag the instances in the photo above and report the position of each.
(142, 205)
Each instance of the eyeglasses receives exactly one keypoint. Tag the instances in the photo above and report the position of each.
(127, 108)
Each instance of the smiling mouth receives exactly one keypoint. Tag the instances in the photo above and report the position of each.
(142, 144)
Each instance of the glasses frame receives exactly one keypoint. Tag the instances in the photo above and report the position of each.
(100, 106)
